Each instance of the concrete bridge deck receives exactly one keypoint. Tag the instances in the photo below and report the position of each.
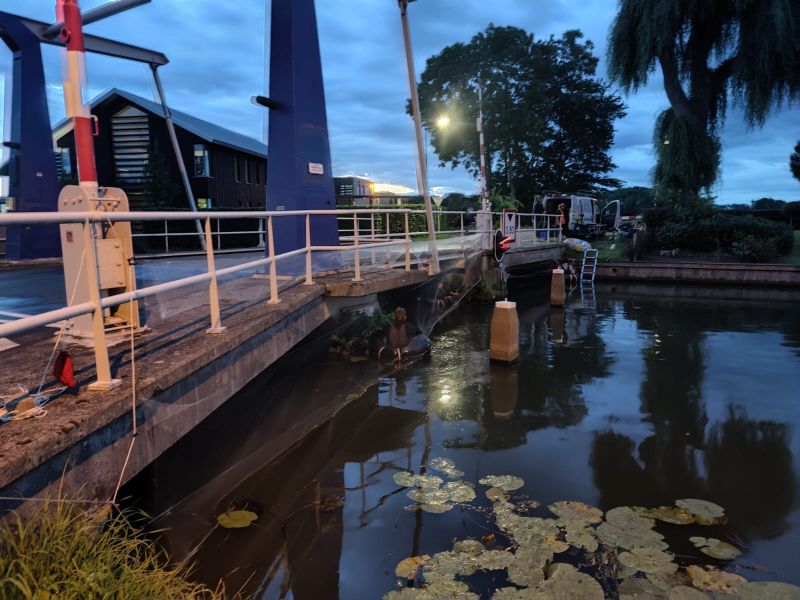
(182, 375)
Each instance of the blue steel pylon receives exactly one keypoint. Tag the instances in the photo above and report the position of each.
(31, 168)
(299, 164)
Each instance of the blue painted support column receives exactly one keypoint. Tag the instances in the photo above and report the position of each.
(33, 177)
(299, 165)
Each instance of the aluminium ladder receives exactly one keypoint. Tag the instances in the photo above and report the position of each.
(588, 267)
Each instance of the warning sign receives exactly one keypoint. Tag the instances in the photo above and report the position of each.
(509, 224)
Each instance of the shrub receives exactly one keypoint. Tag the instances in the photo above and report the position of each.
(751, 249)
(791, 212)
(720, 232)
(63, 552)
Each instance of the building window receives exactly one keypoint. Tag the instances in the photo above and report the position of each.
(202, 165)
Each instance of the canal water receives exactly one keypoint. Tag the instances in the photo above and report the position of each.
(627, 397)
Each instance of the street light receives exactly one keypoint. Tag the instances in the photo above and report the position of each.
(422, 170)
(443, 122)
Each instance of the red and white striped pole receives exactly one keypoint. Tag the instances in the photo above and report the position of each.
(68, 13)
(484, 183)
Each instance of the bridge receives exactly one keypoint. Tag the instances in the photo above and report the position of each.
(201, 326)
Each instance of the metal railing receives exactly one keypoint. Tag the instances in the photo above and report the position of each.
(92, 221)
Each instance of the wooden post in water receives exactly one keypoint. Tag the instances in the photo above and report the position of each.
(504, 339)
(558, 293)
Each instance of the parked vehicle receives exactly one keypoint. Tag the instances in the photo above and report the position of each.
(583, 213)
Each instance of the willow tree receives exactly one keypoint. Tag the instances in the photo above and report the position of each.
(712, 54)
(794, 161)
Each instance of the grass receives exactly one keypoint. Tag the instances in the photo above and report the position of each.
(66, 553)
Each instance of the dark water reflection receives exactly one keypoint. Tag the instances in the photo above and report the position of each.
(619, 399)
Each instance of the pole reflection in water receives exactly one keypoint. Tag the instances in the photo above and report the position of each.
(639, 399)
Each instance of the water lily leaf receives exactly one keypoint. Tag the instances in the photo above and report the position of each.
(459, 491)
(497, 495)
(714, 580)
(528, 566)
(614, 536)
(404, 478)
(522, 575)
(668, 514)
(494, 560)
(684, 592)
(638, 588)
(441, 464)
(408, 567)
(508, 483)
(667, 581)
(767, 590)
(236, 519)
(437, 496)
(447, 588)
(436, 508)
(473, 547)
(703, 509)
(582, 537)
(626, 518)
(648, 560)
(579, 512)
(402, 594)
(565, 582)
(510, 593)
(715, 548)
(449, 564)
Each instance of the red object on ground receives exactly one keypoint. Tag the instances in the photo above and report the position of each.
(63, 369)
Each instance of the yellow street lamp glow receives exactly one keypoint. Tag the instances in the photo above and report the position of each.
(443, 121)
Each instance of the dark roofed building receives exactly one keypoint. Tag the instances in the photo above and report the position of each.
(226, 169)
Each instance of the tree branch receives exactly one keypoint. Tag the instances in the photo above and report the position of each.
(672, 85)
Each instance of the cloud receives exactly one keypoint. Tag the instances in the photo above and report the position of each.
(217, 61)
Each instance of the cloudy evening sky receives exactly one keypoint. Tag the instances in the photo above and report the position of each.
(217, 61)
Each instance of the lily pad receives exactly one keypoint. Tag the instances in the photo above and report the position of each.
(443, 588)
(626, 518)
(236, 519)
(404, 478)
(705, 512)
(408, 567)
(510, 593)
(582, 537)
(648, 560)
(767, 590)
(684, 592)
(449, 564)
(495, 560)
(497, 495)
(508, 483)
(713, 580)
(565, 582)
(668, 514)
(436, 509)
(459, 491)
(473, 547)
(639, 588)
(715, 548)
(578, 512)
(402, 594)
(614, 536)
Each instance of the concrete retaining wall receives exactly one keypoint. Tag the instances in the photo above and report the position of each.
(711, 273)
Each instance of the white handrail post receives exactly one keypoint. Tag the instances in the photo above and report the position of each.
(213, 291)
(273, 269)
(372, 226)
(166, 236)
(357, 249)
(461, 216)
(219, 237)
(408, 244)
(535, 235)
(308, 250)
(102, 366)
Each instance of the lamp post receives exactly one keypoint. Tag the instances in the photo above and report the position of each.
(422, 171)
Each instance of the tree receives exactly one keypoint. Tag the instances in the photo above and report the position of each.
(794, 162)
(711, 53)
(633, 200)
(460, 202)
(767, 204)
(548, 121)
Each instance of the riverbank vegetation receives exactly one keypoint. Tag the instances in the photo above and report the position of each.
(66, 553)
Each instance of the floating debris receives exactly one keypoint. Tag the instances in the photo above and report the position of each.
(715, 548)
(236, 519)
(509, 483)
(409, 567)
